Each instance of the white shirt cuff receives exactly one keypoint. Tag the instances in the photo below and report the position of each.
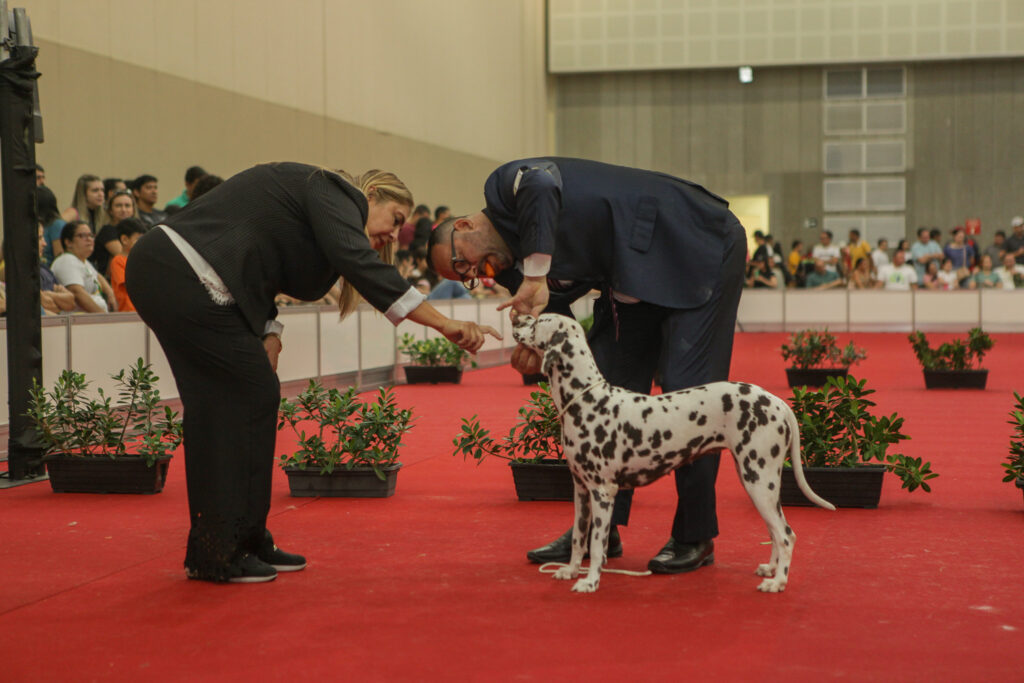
(409, 302)
(536, 265)
(273, 327)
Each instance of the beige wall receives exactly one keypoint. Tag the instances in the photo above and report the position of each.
(438, 92)
(963, 133)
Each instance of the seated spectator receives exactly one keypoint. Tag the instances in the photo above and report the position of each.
(760, 273)
(421, 269)
(441, 213)
(73, 270)
(192, 176)
(129, 231)
(421, 234)
(1011, 273)
(204, 185)
(898, 275)
(794, 261)
(863, 276)
(949, 279)
(961, 254)
(146, 191)
(1015, 243)
(404, 263)
(930, 279)
(827, 252)
(87, 202)
(823, 278)
(112, 185)
(49, 216)
(904, 246)
(408, 231)
(449, 289)
(119, 207)
(924, 251)
(40, 175)
(985, 277)
(53, 297)
(762, 250)
(422, 285)
(998, 247)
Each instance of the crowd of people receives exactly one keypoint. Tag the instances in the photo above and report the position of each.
(931, 262)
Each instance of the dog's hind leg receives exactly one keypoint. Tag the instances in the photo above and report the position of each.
(580, 527)
(766, 500)
(602, 500)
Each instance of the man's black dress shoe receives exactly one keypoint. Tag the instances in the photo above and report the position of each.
(677, 558)
(560, 549)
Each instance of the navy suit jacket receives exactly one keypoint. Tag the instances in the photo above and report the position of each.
(645, 234)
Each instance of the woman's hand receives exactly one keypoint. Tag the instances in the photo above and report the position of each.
(526, 360)
(467, 335)
(273, 346)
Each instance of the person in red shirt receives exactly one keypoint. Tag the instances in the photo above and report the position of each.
(129, 231)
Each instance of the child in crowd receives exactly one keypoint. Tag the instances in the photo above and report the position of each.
(129, 231)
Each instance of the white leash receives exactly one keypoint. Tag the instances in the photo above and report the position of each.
(552, 567)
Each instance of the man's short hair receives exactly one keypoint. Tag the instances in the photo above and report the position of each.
(439, 210)
(1001, 233)
(883, 239)
(131, 226)
(421, 208)
(855, 231)
(205, 184)
(402, 255)
(827, 232)
(193, 174)
(436, 236)
(142, 180)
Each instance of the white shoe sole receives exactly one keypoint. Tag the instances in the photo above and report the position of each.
(252, 579)
(288, 567)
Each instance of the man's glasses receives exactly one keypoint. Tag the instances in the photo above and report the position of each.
(462, 267)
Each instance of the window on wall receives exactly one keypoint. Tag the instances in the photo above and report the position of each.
(883, 81)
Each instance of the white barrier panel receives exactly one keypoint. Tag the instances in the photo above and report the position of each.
(168, 389)
(339, 343)
(101, 345)
(1002, 311)
(490, 315)
(55, 352)
(377, 337)
(299, 357)
(881, 311)
(815, 309)
(946, 310)
(761, 309)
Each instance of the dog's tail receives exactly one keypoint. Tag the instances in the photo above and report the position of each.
(798, 468)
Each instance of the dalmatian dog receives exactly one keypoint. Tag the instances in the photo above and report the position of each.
(614, 438)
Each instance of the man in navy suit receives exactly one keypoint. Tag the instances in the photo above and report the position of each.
(668, 258)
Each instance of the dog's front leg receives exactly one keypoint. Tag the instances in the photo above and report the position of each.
(603, 498)
(580, 526)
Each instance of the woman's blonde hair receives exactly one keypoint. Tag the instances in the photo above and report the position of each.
(109, 204)
(381, 186)
(80, 204)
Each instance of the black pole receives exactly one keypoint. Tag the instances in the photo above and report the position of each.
(21, 254)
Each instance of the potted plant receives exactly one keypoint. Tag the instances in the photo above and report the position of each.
(96, 446)
(815, 356)
(1014, 464)
(533, 448)
(537, 377)
(433, 360)
(952, 365)
(352, 447)
(839, 438)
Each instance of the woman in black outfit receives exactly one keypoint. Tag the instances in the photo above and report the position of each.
(205, 283)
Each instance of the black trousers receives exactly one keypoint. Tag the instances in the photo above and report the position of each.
(230, 396)
(633, 342)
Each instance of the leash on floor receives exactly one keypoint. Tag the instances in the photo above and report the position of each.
(552, 567)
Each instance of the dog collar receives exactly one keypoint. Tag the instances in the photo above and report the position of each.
(583, 391)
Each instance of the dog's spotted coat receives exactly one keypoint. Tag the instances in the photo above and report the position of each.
(614, 438)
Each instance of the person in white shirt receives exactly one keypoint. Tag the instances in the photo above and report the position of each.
(898, 275)
(72, 269)
(880, 256)
(1011, 273)
(827, 252)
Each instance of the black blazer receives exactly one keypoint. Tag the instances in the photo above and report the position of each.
(286, 227)
(648, 235)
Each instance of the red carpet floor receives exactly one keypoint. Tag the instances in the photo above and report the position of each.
(432, 584)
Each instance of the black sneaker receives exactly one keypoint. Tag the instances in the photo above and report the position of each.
(251, 569)
(277, 558)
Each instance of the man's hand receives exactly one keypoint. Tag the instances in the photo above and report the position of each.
(526, 360)
(467, 335)
(272, 344)
(531, 297)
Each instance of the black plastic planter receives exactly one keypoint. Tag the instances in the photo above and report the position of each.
(544, 480)
(103, 474)
(844, 487)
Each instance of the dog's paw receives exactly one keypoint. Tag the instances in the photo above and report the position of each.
(585, 585)
(566, 573)
(772, 586)
(765, 570)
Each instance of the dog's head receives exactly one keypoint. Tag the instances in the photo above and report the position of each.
(544, 332)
